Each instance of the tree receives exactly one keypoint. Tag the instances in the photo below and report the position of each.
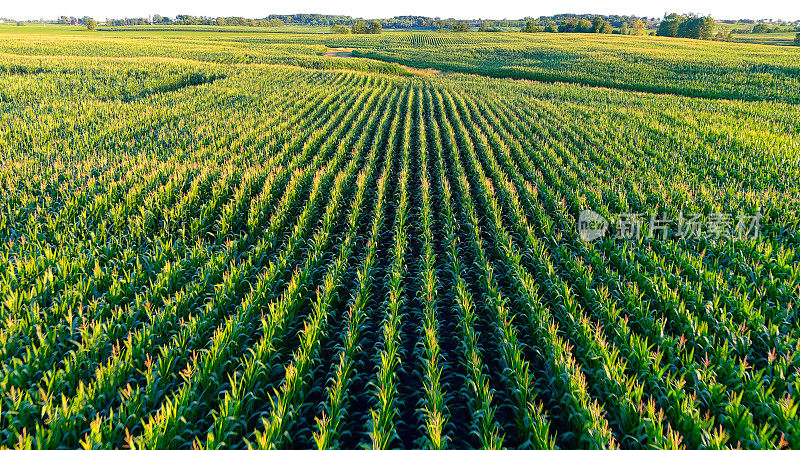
(584, 26)
(696, 28)
(639, 28)
(623, 29)
(597, 24)
(91, 24)
(707, 27)
(573, 25)
(374, 27)
(761, 28)
(339, 29)
(360, 27)
(669, 26)
(531, 27)
(552, 28)
(691, 27)
(724, 36)
(460, 27)
(606, 28)
(797, 39)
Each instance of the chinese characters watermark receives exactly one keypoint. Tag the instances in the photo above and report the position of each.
(634, 226)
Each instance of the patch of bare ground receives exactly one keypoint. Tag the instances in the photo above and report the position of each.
(340, 52)
(423, 72)
(344, 52)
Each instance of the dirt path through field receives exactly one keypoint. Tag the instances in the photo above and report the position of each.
(340, 52)
(346, 52)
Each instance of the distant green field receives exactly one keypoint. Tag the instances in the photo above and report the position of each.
(38, 28)
(218, 29)
(650, 64)
(217, 239)
(768, 38)
(784, 37)
(720, 26)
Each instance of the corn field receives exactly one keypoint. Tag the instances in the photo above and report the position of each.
(245, 244)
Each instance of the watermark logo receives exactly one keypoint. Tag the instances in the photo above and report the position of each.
(591, 225)
(714, 226)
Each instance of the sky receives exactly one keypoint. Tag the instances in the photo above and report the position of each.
(459, 9)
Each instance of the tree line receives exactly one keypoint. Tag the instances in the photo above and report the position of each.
(673, 25)
(597, 24)
(183, 19)
(686, 26)
(359, 27)
(764, 28)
